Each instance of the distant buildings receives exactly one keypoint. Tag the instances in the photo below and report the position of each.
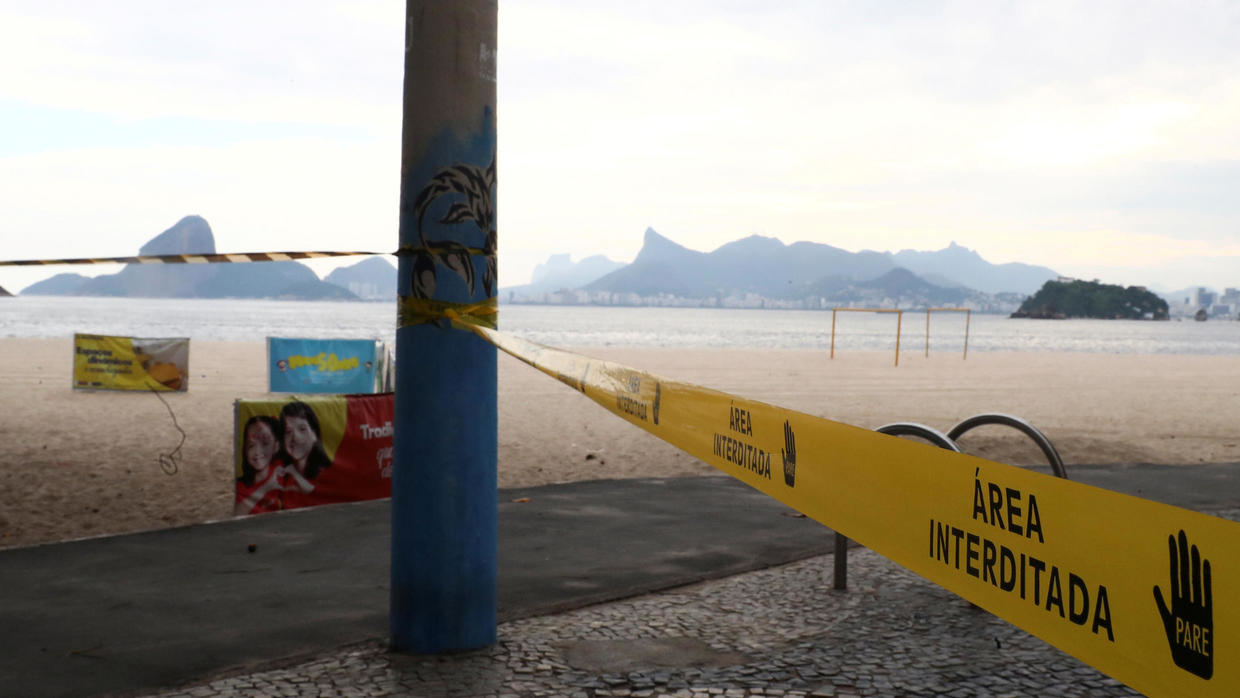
(1224, 306)
(983, 303)
(368, 291)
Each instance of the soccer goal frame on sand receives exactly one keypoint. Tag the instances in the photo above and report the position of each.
(968, 314)
(899, 322)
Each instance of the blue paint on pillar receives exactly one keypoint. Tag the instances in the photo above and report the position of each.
(444, 497)
(444, 484)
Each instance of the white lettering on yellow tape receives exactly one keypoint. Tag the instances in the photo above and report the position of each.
(1127, 585)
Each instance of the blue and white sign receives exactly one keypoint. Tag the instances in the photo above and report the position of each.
(339, 366)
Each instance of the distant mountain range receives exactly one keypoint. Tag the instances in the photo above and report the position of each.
(192, 235)
(373, 278)
(559, 272)
(767, 267)
(756, 265)
(959, 266)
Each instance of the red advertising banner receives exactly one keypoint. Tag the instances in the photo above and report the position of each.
(305, 451)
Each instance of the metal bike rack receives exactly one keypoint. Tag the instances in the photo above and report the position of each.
(1048, 449)
(948, 441)
(921, 431)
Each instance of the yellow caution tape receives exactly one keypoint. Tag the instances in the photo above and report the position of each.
(439, 248)
(418, 311)
(1125, 584)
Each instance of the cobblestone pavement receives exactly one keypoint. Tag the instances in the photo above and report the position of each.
(775, 632)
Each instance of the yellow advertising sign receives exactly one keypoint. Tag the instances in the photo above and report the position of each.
(102, 362)
(1127, 585)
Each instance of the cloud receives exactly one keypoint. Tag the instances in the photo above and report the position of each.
(325, 62)
(1032, 132)
(291, 194)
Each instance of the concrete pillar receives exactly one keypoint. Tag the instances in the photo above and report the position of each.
(444, 496)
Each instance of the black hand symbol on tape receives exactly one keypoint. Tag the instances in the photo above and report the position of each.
(1190, 620)
(789, 454)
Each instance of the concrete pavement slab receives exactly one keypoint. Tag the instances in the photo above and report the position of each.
(151, 609)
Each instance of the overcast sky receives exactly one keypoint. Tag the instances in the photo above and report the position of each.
(1101, 139)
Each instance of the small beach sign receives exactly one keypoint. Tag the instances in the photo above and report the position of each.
(104, 362)
(337, 366)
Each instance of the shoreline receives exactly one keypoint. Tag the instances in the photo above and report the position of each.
(81, 464)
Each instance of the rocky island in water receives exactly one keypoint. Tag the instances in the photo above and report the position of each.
(1073, 298)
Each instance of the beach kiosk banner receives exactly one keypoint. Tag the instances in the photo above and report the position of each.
(309, 450)
(336, 366)
(104, 362)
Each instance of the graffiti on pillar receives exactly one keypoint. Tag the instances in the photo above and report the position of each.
(472, 192)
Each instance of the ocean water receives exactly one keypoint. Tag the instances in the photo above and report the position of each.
(567, 326)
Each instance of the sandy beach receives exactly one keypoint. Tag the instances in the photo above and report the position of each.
(80, 464)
